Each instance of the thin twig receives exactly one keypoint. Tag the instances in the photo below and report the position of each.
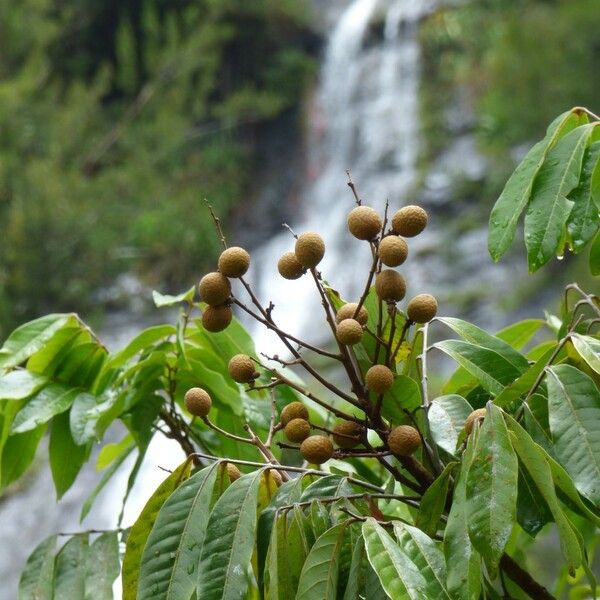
(217, 222)
(353, 188)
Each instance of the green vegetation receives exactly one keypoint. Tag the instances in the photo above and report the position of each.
(416, 493)
(116, 120)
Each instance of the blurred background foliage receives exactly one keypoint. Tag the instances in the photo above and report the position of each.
(117, 118)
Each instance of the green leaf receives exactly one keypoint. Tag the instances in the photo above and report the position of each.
(90, 415)
(31, 337)
(589, 349)
(519, 334)
(584, 218)
(398, 575)
(110, 452)
(20, 384)
(491, 369)
(18, 454)
(37, 579)
(464, 571)
(517, 191)
(225, 560)
(532, 511)
(355, 587)
(319, 577)
(52, 400)
(447, 416)
(328, 486)
(69, 569)
(492, 489)
(434, 501)
(136, 540)
(594, 260)
(532, 456)
(426, 556)
(473, 334)
(574, 415)
(66, 457)
(170, 558)
(102, 567)
(161, 300)
(405, 395)
(549, 207)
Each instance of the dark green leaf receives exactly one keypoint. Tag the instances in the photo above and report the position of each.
(102, 567)
(37, 579)
(492, 489)
(549, 207)
(52, 400)
(18, 454)
(20, 383)
(517, 191)
(405, 395)
(171, 554)
(434, 501)
(225, 560)
(574, 414)
(584, 218)
(66, 457)
(69, 569)
(136, 540)
(319, 577)
(594, 260)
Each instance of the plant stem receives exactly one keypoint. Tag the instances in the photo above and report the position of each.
(524, 580)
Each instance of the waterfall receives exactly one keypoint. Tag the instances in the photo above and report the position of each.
(364, 117)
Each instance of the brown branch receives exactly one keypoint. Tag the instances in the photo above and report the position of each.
(353, 188)
(218, 227)
(176, 433)
(524, 580)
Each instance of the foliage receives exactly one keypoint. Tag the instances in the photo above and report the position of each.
(451, 519)
(117, 118)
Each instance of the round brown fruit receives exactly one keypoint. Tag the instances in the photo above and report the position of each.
(347, 312)
(364, 223)
(404, 440)
(409, 221)
(316, 449)
(242, 368)
(233, 472)
(422, 308)
(289, 267)
(379, 379)
(347, 434)
(349, 332)
(476, 415)
(214, 289)
(216, 318)
(392, 250)
(274, 475)
(297, 430)
(310, 249)
(390, 286)
(197, 401)
(294, 410)
(234, 262)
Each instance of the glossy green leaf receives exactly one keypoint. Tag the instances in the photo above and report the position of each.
(18, 454)
(398, 575)
(594, 259)
(90, 415)
(65, 456)
(589, 349)
(549, 207)
(20, 383)
(491, 369)
(574, 415)
(584, 219)
(427, 557)
(434, 501)
(520, 333)
(473, 334)
(225, 560)
(319, 577)
(111, 452)
(447, 416)
(161, 300)
(327, 487)
(532, 511)
(37, 579)
(31, 337)
(136, 540)
(532, 456)
(517, 191)
(462, 560)
(355, 587)
(172, 552)
(52, 400)
(405, 395)
(70, 568)
(491, 490)
(102, 567)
